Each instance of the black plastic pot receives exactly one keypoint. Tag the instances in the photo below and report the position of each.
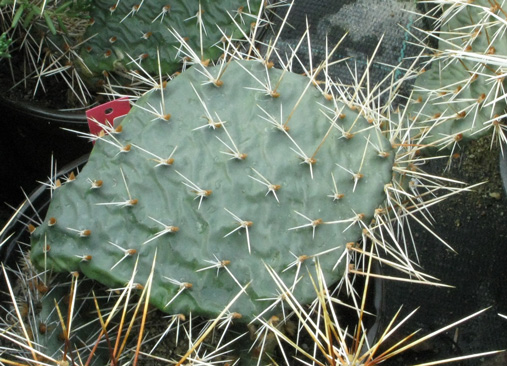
(32, 210)
(503, 168)
(30, 136)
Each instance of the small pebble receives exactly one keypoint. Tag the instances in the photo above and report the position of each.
(495, 195)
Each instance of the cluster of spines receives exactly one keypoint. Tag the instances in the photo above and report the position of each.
(165, 28)
(459, 94)
(50, 46)
(66, 320)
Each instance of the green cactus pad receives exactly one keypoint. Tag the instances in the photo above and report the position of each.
(130, 32)
(257, 177)
(51, 304)
(460, 96)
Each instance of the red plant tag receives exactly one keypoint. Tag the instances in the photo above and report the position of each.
(106, 115)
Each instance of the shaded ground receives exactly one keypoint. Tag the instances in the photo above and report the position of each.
(474, 224)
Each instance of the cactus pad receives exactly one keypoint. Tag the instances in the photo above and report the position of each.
(220, 180)
(126, 33)
(461, 95)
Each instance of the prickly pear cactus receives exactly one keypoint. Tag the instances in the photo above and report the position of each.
(461, 95)
(225, 172)
(46, 304)
(129, 32)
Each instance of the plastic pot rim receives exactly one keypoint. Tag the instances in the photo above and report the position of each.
(31, 109)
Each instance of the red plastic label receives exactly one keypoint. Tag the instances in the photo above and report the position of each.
(104, 115)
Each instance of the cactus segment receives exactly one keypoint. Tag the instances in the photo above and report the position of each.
(260, 171)
(461, 95)
(127, 34)
(48, 311)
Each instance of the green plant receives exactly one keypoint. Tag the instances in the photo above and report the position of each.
(4, 45)
(240, 179)
(257, 166)
(460, 92)
(129, 35)
(56, 15)
(94, 45)
(67, 319)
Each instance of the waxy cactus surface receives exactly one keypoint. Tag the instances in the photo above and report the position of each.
(128, 33)
(225, 172)
(460, 96)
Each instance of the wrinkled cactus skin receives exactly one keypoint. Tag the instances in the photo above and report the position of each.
(127, 34)
(271, 134)
(459, 96)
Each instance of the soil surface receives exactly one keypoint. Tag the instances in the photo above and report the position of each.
(474, 225)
